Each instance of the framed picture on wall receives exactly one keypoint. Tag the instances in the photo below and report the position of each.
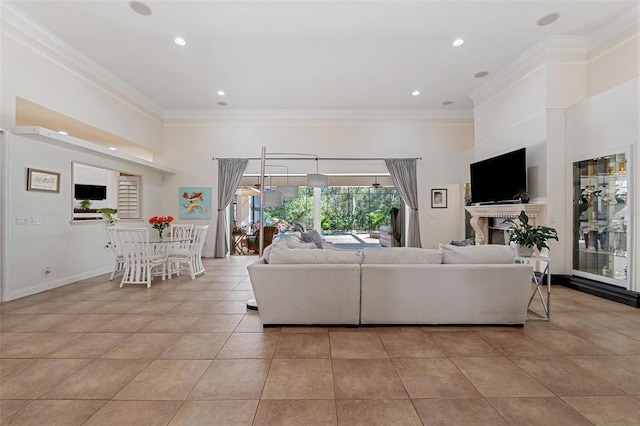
(439, 198)
(194, 202)
(41, 180)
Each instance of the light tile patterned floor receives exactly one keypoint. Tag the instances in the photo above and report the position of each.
(188, 352)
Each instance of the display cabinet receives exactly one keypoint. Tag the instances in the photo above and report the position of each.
(601, 219)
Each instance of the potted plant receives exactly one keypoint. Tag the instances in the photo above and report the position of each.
(526, 236)
(109, 214)
(85, 204)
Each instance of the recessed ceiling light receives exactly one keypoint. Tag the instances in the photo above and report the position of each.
(62, 132)
(447, 102)
(221, 92)
(180, 41)
(481, 74)
(140, 8)
(415, 93)
(223, 103)
(458, 42)
(548, 19)
(113, 148)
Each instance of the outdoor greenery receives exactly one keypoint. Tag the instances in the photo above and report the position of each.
(342, 208)
(524, 234)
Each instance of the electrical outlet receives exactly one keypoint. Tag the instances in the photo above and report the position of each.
(22, 220)
(47, 270)
(36, 220)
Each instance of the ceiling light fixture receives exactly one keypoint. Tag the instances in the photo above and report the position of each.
(140, 8)
(113, 148)
(316, 180)
(548, 19)
(481, 74)
(223, 103)
(180, 41)
(415, 93)
(62, 132)
(458, 42)
(447, 102)
(221, 93)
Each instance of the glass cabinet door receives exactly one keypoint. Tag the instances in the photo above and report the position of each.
(601, 219)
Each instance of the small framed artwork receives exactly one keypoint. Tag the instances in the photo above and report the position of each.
(41, 180)
(194, 202)
(438, 198)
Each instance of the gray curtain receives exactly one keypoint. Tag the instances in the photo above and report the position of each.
(230, 171)
(403, 175)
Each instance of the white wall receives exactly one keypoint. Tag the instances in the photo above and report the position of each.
(73, 250)
(190, 148)
(30, 71)
(547, 109)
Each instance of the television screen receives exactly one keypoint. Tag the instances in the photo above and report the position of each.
(499, 179)
(90, 192)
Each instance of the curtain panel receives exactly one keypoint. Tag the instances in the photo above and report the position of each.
(230, 171)
(403, 175)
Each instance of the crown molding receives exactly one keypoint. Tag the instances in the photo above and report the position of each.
(310, 114)
(614, 28)
(107, 80)
(549, 45)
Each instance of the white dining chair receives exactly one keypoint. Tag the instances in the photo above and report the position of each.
(191, 257)
(182, 232)
(139, 260)
(198, 265)
(119, 261)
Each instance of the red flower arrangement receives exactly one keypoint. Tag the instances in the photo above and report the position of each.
(160, 223)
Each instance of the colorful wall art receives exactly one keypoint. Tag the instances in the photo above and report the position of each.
(194, 202)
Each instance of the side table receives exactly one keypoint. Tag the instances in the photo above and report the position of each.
(541, 265)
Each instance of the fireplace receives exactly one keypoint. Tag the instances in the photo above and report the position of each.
(488, 221)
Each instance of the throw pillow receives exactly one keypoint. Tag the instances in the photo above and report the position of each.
(483, 254)
(463, 243)
(312, 237)
(283, 255)
(401, 255)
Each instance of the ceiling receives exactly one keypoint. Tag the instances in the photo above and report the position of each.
(311, 55)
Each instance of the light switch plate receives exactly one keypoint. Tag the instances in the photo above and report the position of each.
(22, 220)
(36, 220)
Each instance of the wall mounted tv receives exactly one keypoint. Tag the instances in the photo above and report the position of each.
(90, 192)
(499, 179)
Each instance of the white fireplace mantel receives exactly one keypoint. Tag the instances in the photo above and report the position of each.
(480, 216)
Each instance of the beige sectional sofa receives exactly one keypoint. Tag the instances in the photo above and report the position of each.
(296, 284)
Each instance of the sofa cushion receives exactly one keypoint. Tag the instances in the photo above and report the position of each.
(401, 255)
(284, 255)
(482, 254)
(290, 241)
(312, 237)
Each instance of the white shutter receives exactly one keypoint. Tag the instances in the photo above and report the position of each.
(128, 197)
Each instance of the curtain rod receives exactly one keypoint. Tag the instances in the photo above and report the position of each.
(322, 158)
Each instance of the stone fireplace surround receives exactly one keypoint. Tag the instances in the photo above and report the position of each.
(480, 216)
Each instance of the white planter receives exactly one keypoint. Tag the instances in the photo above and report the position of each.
(524, 251)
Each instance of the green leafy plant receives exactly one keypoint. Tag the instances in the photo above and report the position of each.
(109, 214)
(85, 204)
(524, 234)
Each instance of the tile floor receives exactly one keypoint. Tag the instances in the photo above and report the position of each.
(188, 353)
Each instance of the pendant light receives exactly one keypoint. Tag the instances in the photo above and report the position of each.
(272, 198)
(288, 191)
(316, 180)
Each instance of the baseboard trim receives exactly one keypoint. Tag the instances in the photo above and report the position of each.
(606, 291)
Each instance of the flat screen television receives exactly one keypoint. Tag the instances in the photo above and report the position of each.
(499, 179)
(90, 192)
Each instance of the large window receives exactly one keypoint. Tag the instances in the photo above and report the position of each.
(342, 208)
